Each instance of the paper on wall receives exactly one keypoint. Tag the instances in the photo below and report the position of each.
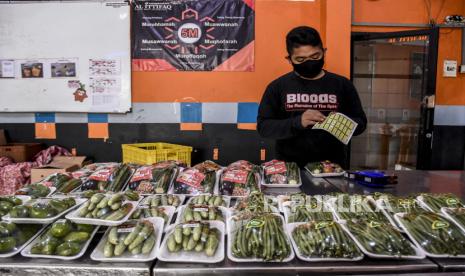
(7, 69)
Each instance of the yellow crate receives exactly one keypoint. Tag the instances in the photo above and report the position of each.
(149, 153)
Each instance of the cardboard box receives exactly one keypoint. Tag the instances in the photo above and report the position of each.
(2, 137)
(59, 164)
(20, 152)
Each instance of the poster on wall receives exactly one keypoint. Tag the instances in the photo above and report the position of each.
(193, 35)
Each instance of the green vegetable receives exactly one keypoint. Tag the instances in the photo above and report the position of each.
(78, 237)
(256, 202)
(192, 241)
(437, 201)
(7, 244)
(201, 212)
(68, 249)
(324, 239)
(260, 236)
(61, 228)
(435, 234)
(20, 211)
(380, 238)
(135, 239)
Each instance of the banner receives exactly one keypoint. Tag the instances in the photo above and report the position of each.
(193, 35)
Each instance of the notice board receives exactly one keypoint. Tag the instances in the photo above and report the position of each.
(65, 56)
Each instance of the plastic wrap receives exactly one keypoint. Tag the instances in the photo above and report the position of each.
(15, 236)
(199, 179)
(153, 179)
(435, 202)
(312, 210)
(201, 212)
(35, 190)
(324, 168)
(257, 202)
(380, 239)
(393, 204)
(8, 202)
(163, 200)
(324, 240)
(280, 172)
(165, 212)
(259, 237)
(64, 183)
(239, 182)
(110, 177)
(348, 207)
(210, 200)
(434, 234)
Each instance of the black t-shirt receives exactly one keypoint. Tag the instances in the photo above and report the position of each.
(284, 101)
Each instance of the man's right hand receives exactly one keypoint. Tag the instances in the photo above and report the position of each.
(311, 117)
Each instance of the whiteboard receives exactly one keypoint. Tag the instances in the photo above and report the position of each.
(65, 57)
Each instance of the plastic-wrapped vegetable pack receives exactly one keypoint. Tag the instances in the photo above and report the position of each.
(324, 239)
(323, 167)
(154, 178)
(194, 236)
(437, 201)
(435, 234)
(244, 165)
(132, 237)
(306, 213)
(63, 183)
(163, 200)
(13, 236)
(238, 182)
(280, 172)
(256, 202)
(148, 212)
(395, 204)
(458, 214)
(259, 236)
(210, 200)
(197, 180)
(380, 238)
(357, 207)
(201, 212)
(108, 178)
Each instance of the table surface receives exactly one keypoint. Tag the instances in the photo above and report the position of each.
(410, 182)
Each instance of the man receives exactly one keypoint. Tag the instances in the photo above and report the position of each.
(293, 103)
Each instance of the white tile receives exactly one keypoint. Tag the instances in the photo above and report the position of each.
(219, 113)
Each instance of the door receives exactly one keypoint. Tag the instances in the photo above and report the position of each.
(394, 74)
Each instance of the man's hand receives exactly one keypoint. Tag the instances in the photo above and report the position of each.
(311, 117)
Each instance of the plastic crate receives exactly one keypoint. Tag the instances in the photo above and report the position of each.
(149, 153)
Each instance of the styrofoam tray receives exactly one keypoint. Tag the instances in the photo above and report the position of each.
(17, 250)
(444, 210)
(282, 185)
(24, 198)
(169, 211)
(224, 211)
(158, 224)
(146, 200)
(215, 187)
(52, 190)
(7, 217)
(418, 256)
(193, 257)
(27, 251)
(173, 178)
(232, 225)
(282, 199)
(325, 174)
(226, 199)
(290, 228)
(74, 217)
(287, 213)
(398, 217)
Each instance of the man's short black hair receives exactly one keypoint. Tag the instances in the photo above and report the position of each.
(301, 36)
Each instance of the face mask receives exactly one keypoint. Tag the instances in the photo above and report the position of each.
(309, 68)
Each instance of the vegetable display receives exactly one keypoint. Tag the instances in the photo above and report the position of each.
(154, 178)
(434, 233)
(201, 212)
(108, 178)
(7, 203)
(148, 212)
(42, 208)
(437, 201)
(306, 213)
(238, 182)
(63, 183)
(256, 202)
(395, 204)
(209, 200)
(194, 236)
(260, 236)
(458, 214)
(244, 165)
(63, 238)
(324, 239)
(323, 167)
(197, 180)
(132, 237)
(13, 236)
(280, 172)
(108, 207)
(380, 238)
(349, 207)
(162, 200)
(34, 190)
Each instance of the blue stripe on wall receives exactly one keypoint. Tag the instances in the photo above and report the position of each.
(247, 112)
(44, 117)
(97, 118)
(191, 112)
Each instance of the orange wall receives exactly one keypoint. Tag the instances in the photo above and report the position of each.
(449, 91)
(273, 19)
